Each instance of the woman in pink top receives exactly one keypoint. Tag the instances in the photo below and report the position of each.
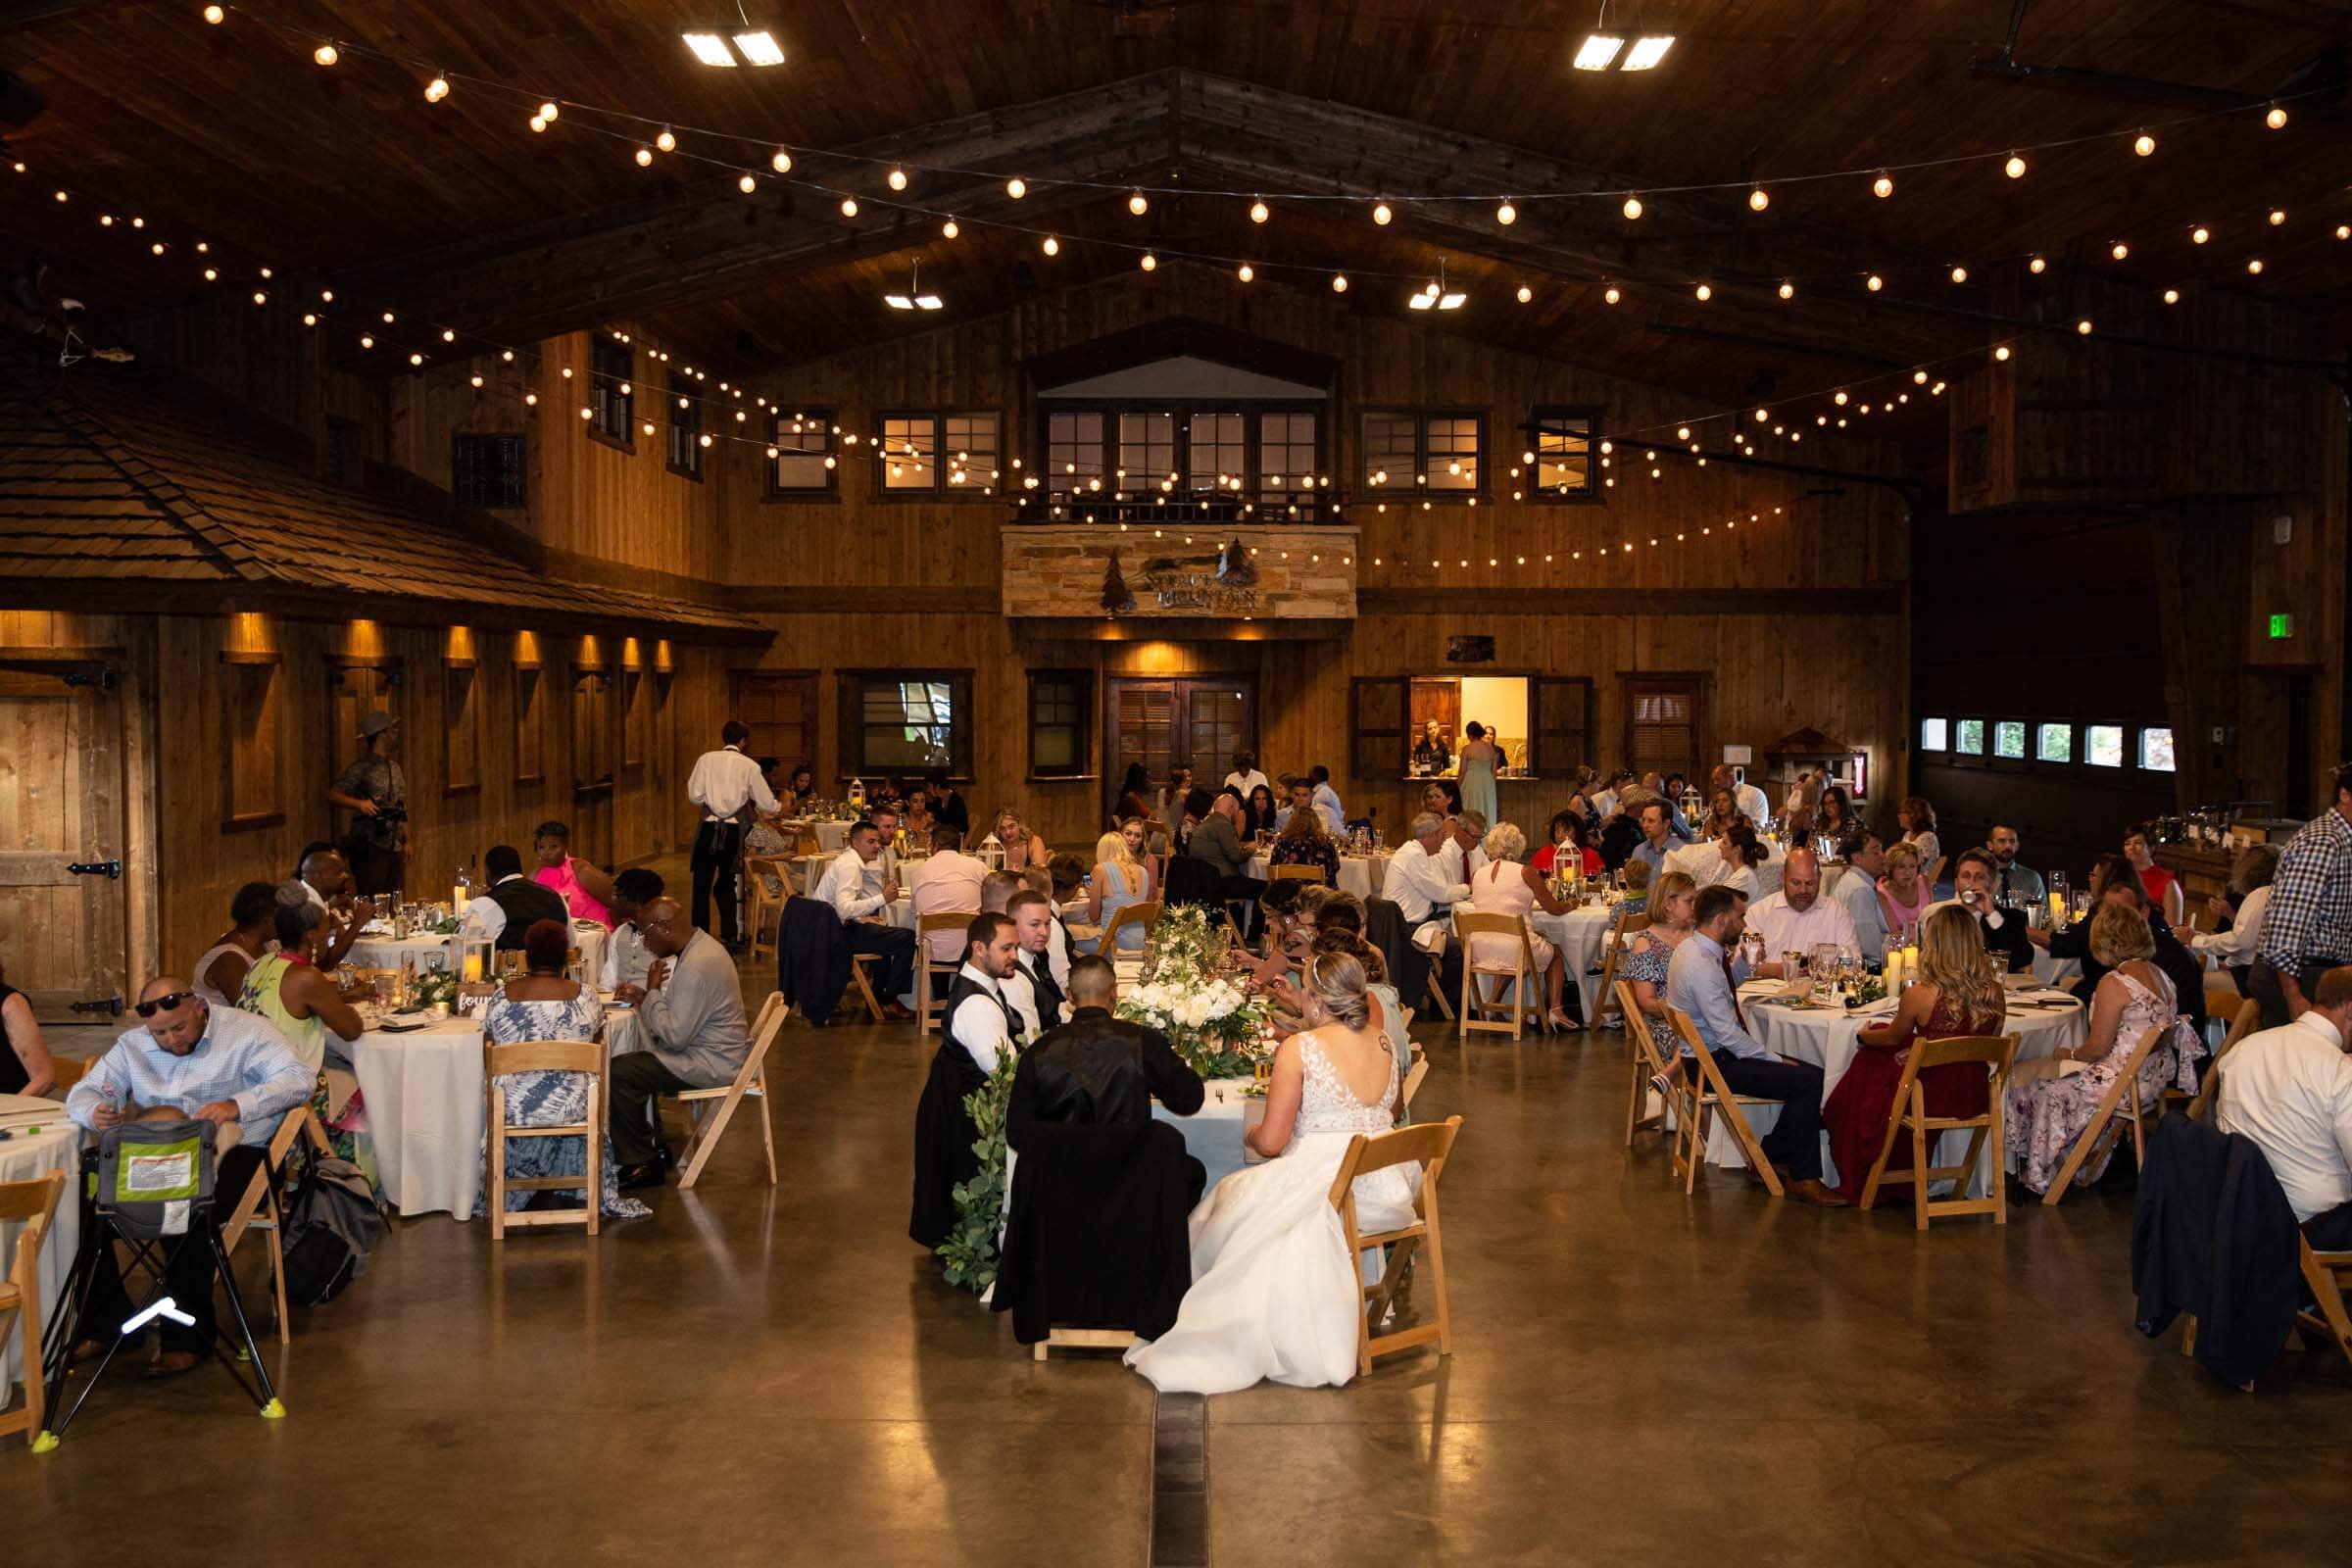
(1505, 885)
(586, 889)
(1903, 894)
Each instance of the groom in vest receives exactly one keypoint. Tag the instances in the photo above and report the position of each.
(979, 1028)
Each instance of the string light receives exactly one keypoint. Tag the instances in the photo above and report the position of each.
(849, 207)
(2037, 266)
(2001, 353)
(326, 53)
(1138, 204)
(1259, 212)
(214, 15)
(1526, 294)
(1959, 274)
(898, 179)
(2255, 266)
(1704, 292)
(2118, 250)
(2144, 144)
(1150, 263)
(667, 141)
(1247, 272)
(781, 163)
(2199, 234)
(1338, 282)
(645, 158)
(549, 110)
(434, 90)
(1633, 206)
(1758, 199)
(2276, 119)
(2277, 215)
(1787, 289)
(1873, 282)
(2172, 296)
(2343, 231)
(1381, 214)
(1883, 187)
(1016, 187)
(1506, 214)
(1052, 246)
(2084, 327)
(747, 184)
(2015, 167)
(1610, 295)
(950, 229)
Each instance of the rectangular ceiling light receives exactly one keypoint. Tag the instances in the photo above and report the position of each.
(1598, 52)
(930, 301)
(710, 48)
(898, 302)
(760, 47)
(1421, 302)
(1451, 302)
(1648, 52)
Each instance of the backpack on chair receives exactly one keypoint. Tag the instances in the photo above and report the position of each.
(332, 1226)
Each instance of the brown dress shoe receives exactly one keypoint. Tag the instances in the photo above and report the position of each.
(85, 1350)
(172, 1363)
(898, 1013)
(1812, 1192)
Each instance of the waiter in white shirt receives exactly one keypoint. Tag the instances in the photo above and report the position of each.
(722, 783)
(1245, 776)
(1750, 800)
(2290, 1091)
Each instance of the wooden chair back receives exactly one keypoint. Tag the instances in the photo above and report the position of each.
(2120, 1103)
(1611, 945)
(2328, 1275)
(1711, 1092)
(2244, 1018)
(68, 1071)
(1649, 1063)
(35, 1202)
(1521, 973)
(1295, 873)
(1934, 873)
(706, 1126)
(925, 927)
(1145, 915)
(1413, 1085)
(2220, 1002)
(763, 907)
(1996, 1055)
(1428, 1144)
(257, 1207)
(545, 1056)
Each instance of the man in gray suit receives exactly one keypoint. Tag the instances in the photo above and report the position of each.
(691, 1009)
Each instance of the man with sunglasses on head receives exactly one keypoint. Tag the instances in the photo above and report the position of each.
(224, 1068)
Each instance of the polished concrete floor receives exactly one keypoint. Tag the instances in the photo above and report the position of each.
(778, 1376)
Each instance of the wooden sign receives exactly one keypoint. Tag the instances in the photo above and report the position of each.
(1270, 578)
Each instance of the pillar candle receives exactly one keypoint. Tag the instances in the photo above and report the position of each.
(474, 967)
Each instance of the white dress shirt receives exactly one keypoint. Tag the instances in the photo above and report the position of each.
(978, 1025)
(1057, 954)
(1327, 802)
(852, 886)
(2238, 946)
(1755, 803)
(1245, 782)
(1021, 990)
(240, 1057)
(2290, 1091)
(723, 780)
(1605, 802)
(1421, 885)
(1785, 929)
(488, 911)
(948, 882)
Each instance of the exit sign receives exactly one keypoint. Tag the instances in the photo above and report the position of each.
(2282, 625)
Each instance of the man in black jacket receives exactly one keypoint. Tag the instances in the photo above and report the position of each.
(1097, 1068)
(1217, 840)
(2004, 930)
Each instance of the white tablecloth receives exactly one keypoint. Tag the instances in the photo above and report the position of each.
(1360, 874)
(1578, 934)
(424, 1110)
(432, 951)
(1212, 1135)
(1829, 1039)
(832, 837)
(29, 1156)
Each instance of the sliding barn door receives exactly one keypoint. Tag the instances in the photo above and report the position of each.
(63, 936)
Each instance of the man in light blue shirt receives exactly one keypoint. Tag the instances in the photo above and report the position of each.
(1327, 801)
(1858, 891)
(1657, 839)
(218, 1067)
(1701, 982)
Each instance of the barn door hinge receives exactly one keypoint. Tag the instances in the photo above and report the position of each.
(112, 1006)
(105, 868)
(103, 677)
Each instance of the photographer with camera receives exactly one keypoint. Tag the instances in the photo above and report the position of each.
(376, 794)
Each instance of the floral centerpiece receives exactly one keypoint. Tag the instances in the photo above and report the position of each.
(1214, 1025)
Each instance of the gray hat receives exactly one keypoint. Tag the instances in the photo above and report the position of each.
(373, 724)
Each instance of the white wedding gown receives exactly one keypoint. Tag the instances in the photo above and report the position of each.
(1274, 1293)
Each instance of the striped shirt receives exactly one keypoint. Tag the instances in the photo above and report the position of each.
(2309, 914)
(241, 1058)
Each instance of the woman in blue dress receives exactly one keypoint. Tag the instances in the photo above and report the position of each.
(1479, 756)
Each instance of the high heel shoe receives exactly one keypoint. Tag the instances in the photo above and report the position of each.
(1560, 1023)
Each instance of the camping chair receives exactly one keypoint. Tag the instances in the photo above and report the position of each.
(1145, 915)
(546, 1056)
(1521, 973)
(1713, 1091)
(1611, 945)
(2244, 1020)
(705, 1127)
(927, 966)
(35, 1202)
(1649, 1064)
(1428, 1146)
(2105, 1125)
(765, 907)
(1997, 1054)
(263, 1189)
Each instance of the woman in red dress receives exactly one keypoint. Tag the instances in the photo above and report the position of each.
(1957, 994)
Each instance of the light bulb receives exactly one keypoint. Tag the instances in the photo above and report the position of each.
(2144, 144)
(1611, 294)
(434, 90)
(1873, 282)
(1883, 187)
(1016, 187)
(2172, 296)
(781, 163)
(2015, 167)
(1507, 214)
(1919, 378)
(667, 141)
(1758, 199)
(310, 319)
(2084, 327)
(2276, 119)
(1633, 206)
(1841, 398)
(950, 229)
(2343, 231)
(2277, 215)
(1338, 282)
(747, 184)
(1247, 272)
(2037, 266)
(1704, 292)
(1260, 211)
(326, 54)
(1381, 213)
(645, 157)
(1150, 263)
(2118, 250)
(1526, 294)
(1959, 274)
(2199, 234)
(1138, 204)
(549, 110)
(898, 179)
(2001, 353)
(2255, 267)
(530, 400)
(366, 341)
(1052, 246)
(849, 207)
(214, 15)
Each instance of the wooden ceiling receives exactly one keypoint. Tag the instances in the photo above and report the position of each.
(233, 132)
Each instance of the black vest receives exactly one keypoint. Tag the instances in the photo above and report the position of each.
(960, 993)
(526, 903)
(1039, 967)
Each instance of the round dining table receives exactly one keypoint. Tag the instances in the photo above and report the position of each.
(1363, 875)
(1579, 934)
(40, 1140)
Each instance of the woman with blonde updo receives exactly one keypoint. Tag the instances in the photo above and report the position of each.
(1275, 1291)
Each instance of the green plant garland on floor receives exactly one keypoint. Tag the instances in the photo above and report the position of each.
(970, 1250)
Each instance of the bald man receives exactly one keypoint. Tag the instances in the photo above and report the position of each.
(1797, 918)
(223, 1067)
(695, 1036)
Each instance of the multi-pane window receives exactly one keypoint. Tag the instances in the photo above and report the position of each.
(908, 721)
(684, 418)
(971, 448)
(1934, 734)
(2053, 743)
(1073, 453)
(1060, 702)
(1287, 456)
(612, 391)
(2103, 745)
(804, 461)
(909, 452)
(2156, 751)
(2009, 740)
(1392, 451)
(488, 470)
(1147, 451)
(1444, 452)
(1565, 470)
(1968, 737)
(1220, 452)
(1453, 449)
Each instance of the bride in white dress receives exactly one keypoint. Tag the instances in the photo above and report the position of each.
(1275, 1293)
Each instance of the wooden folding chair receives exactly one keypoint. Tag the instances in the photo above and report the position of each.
(261, 1194)
(35, 1202)
(865, 983)
(1413, 1085)
(927, 966)
(2244, 1020)
(1712, 1091)
(1612, 945)
(1295, 873)
(1428, 1146)
(545, 1056)
(1997, 1054)
(2106, 1126)
(1648, 1063)
(69, 1071)
(1522, 973)
(1934, 873)
(1435, 992)
(1145, 915)
(2328, 1274)
(1081, 1340)
(766, 907)
(706, 1125)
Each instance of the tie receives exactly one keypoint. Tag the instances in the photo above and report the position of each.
(2004, 884)
(1733, 985)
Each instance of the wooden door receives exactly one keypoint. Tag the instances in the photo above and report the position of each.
(63, 936)
(593, 739)
(1662, 724)
(1202, 722)
(780, 707)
